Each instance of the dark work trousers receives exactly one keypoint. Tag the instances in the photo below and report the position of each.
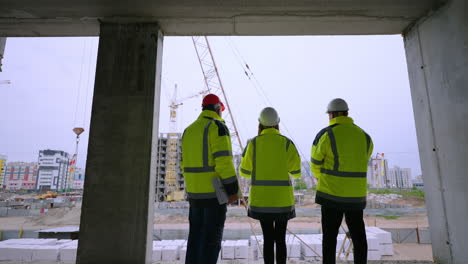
(205, 234)
(274, 232)
(331, 221)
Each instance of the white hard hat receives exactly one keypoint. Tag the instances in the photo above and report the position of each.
(337, 105)
(269, 117)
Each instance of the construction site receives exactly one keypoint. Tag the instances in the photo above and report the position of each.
(133, 207)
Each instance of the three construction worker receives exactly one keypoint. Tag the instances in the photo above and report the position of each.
(340, 154)
(339, 158)
(207, 154)
(269, 160)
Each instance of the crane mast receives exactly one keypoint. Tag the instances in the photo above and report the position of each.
(214, 85)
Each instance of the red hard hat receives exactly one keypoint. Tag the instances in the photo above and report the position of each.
(212, 99)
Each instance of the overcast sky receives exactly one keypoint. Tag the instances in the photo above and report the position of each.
(52, 83)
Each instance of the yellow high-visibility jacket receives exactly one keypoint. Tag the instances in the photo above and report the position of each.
(269, 160)
(207, 153)
(340, 154)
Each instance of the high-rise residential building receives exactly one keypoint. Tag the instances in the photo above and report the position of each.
(168, 173)
(78, 179)
(399, 178)
(53, 167)
(3, 160)
(377, 172)
(20, 175)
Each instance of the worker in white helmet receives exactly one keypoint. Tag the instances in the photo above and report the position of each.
(340, 154)
(269, 160)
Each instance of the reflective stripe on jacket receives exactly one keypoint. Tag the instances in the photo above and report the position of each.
(269, 160)
(207, 153)
(340, 154)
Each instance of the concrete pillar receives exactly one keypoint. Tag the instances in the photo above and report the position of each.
(117, 211)
(436, 49)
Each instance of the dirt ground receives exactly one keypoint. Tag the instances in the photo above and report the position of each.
(71, 217)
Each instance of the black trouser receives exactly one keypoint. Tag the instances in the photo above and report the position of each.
(274, 232)
(205, 234)
(331, 221)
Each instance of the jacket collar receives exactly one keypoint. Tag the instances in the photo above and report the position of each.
(210, 114)
(341, 120)
(270, 131)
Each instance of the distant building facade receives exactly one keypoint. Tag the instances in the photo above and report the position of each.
(168, 175)
(53, 167)
(418, 182)
(3, 160)
(377, 172)
(379, 175)
(20, 175)
(399, 178)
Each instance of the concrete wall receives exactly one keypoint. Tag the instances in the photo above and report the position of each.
(436, 50)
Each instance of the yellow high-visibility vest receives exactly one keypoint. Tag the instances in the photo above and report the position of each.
(269, 160)
(206, 153)
(340, 154)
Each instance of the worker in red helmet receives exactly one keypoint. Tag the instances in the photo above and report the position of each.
(207, 156)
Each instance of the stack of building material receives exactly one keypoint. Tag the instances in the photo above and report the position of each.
(293, 247)
(228, 248)
(68, 252)
(306, 247)
(256, 247)
(33, 249)
(384, 238)
(311, 247)
(241, 251)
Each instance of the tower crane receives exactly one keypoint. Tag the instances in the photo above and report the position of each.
(214, 85)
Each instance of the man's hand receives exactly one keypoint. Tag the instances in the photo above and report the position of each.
(233, 198)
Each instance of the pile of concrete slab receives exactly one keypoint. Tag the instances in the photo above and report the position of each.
(309, 247)
(31, 249)
(302, 247)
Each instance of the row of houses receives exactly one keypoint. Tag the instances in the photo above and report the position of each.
(54, 170)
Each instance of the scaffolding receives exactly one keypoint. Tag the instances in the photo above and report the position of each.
(169, 180)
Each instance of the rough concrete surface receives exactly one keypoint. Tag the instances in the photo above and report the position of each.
(438, 73)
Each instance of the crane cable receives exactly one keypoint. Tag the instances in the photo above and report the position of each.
(88, 79)
(80, 86)
(257, 85)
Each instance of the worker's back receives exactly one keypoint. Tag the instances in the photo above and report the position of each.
(269, 160)
(206, 153)
(342, 151)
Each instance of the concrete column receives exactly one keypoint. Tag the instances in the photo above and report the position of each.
(117, 211)
(436, 49)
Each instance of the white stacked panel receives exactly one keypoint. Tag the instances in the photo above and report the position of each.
(31, 241)
(311, 248)
(50, 253)
(170, 253)
(15, 252)
(339, 242)
(373, 247)
(385, 239)
(293, 246)
(228, 248)
(182, 254)
(256, 249)
(241, 250)
(68, 252)
(157, 253)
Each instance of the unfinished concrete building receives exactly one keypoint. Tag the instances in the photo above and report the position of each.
(170, 184)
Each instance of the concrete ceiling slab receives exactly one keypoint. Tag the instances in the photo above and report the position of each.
(214, 17)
